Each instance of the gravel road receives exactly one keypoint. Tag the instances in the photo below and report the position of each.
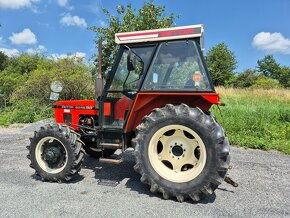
(115, 190)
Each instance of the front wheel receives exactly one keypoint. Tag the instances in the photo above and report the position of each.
(181, 151)
(56, 153)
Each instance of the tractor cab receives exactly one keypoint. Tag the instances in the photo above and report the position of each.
(151, 66)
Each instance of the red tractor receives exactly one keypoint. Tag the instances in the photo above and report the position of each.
(156, 99)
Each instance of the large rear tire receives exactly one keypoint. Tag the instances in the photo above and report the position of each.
(56, 153)
(181, 152)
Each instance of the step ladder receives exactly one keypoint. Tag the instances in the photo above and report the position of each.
(111, 160)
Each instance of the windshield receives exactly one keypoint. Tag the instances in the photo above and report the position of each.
(130, 80)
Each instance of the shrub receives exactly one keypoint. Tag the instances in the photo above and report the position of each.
(263, 82)
(246, 79)
(25, 111)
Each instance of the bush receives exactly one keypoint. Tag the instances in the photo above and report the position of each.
(246, 79)
(25, 111)
(263, 82)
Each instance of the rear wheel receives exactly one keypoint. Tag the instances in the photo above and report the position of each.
(56, 153)
(181, 151)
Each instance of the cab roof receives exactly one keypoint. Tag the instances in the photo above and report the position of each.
(183, 32)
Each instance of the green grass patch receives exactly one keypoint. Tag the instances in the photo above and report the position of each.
(256, 118)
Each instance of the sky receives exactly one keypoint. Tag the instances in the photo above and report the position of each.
(59, 28)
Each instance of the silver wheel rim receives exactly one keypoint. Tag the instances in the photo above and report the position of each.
(39, 154)
(177, 153)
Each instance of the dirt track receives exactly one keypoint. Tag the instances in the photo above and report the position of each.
(115, 190)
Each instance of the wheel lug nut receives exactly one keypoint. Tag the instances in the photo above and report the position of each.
(159, 157)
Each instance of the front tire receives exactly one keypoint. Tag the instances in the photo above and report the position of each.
(56, 153)
(181, 151)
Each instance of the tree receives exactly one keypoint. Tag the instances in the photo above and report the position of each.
(16, 72)
(246, 79)
(269, 67)
(73, 73)
(284, 76)
(221, 63)
(149, 16)
(24, 63)
(3, 60)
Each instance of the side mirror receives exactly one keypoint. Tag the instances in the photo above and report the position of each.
(131, 61)
(108, 73)
(56, 87)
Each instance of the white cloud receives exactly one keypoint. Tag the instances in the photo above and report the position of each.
(37, 50)
(73, 56)
(69, 20)
(24, 37)
(10, 52)
(272, 43)
(16, 4)
(65, 3)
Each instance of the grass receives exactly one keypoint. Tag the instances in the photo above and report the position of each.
(256, 118)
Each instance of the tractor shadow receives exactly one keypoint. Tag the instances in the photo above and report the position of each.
(76, 179)
(124, 174)
(114, 175)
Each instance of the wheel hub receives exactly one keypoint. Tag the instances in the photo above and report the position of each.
(177, 153)
(52, 155)
(177, 150)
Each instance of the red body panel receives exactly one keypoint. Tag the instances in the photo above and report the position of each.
(77, 108)
(121, 106)
(146, 102)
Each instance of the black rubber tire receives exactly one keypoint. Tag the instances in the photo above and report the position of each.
(216, 145)
(73, 145)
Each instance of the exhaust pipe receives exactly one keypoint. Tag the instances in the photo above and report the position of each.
(99, 80)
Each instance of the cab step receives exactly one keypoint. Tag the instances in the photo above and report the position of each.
(111, 146)
(110, 161)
